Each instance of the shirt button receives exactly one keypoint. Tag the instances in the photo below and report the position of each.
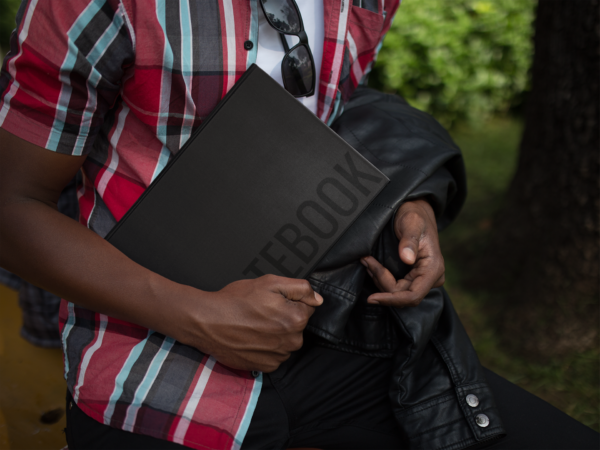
(255, 373)
(472, 400)
(482, 420)
(248, 45)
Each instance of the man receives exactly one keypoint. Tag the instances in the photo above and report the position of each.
(98, 88)
(115, 88)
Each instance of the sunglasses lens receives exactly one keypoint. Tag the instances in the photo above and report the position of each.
(283, 15)
(297, 70)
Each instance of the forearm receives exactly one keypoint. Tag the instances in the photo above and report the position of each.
(58, 254)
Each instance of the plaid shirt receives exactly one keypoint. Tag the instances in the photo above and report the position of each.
(126, 83)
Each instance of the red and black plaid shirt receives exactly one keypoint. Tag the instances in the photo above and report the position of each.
(126, 83)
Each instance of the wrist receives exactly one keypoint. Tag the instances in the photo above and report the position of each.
(178, 311)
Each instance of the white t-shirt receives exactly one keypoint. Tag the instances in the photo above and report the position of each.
(270, 51)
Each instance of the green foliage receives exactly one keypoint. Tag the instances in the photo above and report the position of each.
(8, 11)
(460, 59)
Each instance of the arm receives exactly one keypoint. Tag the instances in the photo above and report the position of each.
(250, 324)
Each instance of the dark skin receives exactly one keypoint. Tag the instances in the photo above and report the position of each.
(419, 247)
(248, 325)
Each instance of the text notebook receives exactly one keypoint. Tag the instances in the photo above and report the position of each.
(263, 186)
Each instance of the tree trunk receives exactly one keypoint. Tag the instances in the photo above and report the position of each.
(546, 241)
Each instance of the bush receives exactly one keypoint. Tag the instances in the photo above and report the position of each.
(460, 59)
(8, 11)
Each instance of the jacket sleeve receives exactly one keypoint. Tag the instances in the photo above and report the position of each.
(404, 142)
(413, 150)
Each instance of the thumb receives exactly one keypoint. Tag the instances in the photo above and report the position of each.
(300, 291)
(410, 230)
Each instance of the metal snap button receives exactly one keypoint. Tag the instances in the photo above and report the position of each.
(255, 373)
(248, 45)
(482, 420)
(472, 400)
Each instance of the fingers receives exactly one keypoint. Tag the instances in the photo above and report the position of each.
(409, 227)
(411, 295)
(408, 291)
(382, 277)
(398, 299)
(295, 290)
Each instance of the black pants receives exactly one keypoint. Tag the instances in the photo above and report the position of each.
(303, 405)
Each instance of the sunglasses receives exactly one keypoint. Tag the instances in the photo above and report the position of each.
(298, 66)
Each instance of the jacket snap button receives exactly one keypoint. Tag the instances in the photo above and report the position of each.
(482, 420)
(472, 400)
(248, 45)
(255, 373)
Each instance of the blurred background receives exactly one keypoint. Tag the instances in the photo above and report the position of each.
(522, 257)
(516, 84)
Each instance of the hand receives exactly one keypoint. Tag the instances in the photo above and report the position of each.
(256, 324)
(416, 229)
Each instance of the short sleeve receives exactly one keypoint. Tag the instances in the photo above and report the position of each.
(64, 71)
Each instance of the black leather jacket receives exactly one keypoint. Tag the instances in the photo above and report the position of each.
(435, 365)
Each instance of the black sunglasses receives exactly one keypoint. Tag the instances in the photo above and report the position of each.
(298, 66)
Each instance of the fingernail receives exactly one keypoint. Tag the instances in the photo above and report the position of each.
(372, 302)
(318, 298)
(409, 254)
(363, 262)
